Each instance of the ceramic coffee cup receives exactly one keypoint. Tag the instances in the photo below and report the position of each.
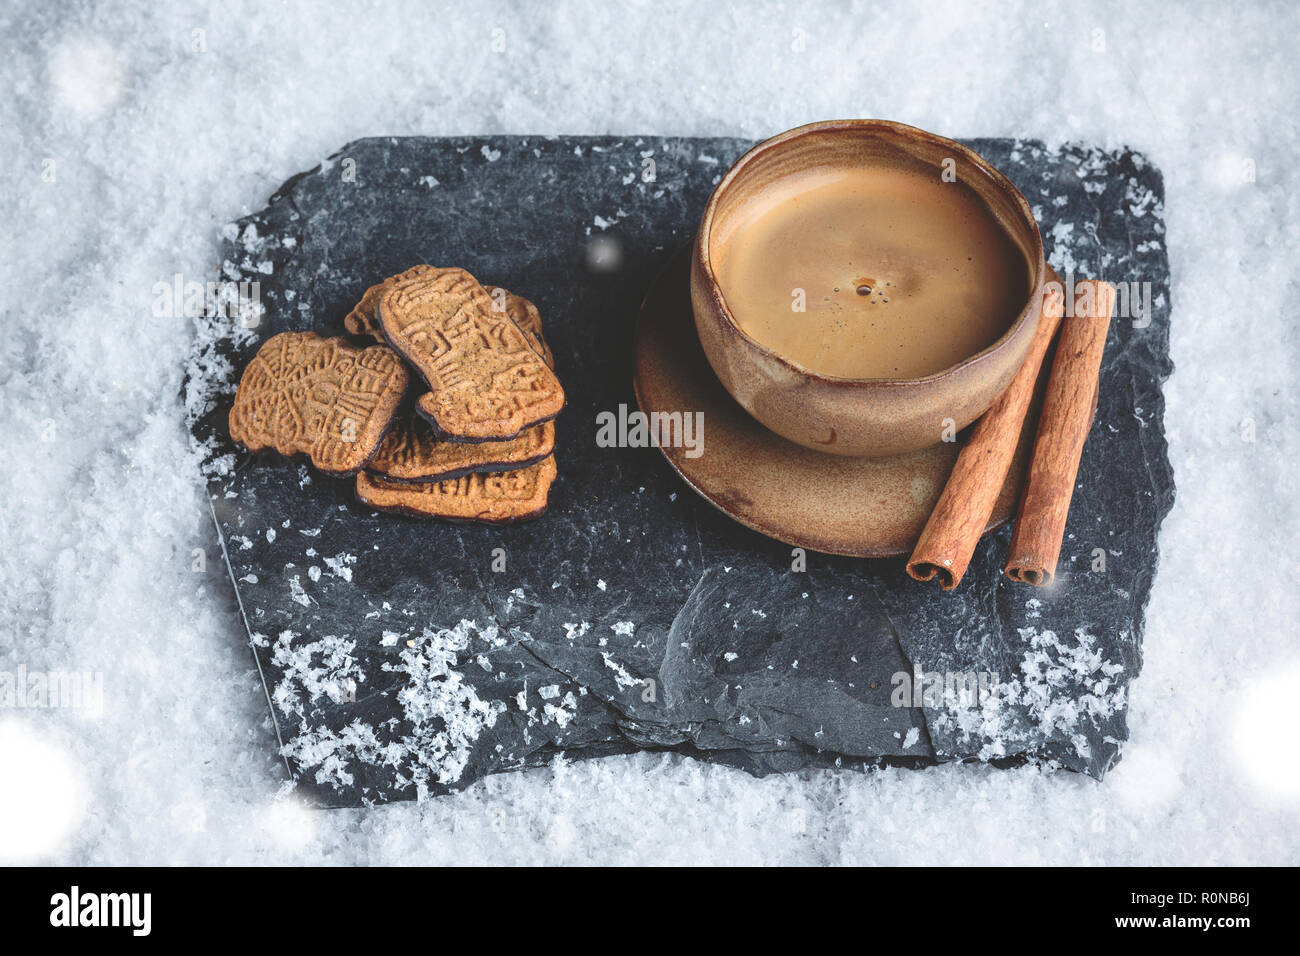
(873, 417)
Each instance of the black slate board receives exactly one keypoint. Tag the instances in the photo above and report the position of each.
(398, 662)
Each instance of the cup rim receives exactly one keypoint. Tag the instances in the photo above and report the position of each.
(1037, 264)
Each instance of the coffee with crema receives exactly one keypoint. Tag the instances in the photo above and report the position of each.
(872, 272)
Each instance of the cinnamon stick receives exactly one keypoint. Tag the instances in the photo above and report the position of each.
(962, 513)
(1068, 410)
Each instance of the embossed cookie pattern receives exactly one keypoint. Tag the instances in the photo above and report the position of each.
(303, 394)
(498, 498)
(364, 319)
(486, 381)
(529, 319)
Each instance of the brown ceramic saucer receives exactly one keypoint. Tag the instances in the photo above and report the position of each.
(861, 507)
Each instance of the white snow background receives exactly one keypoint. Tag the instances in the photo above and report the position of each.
(159, 135)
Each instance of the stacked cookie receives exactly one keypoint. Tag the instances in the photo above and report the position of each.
(477, 445)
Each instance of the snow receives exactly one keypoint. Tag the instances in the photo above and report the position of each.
(133, 135)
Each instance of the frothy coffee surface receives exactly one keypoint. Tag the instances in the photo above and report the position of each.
(899, 274)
